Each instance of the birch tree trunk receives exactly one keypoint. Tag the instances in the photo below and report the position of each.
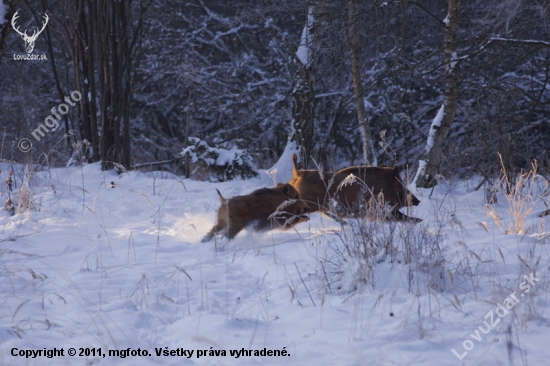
(300, 140)
(303, 94)
(430, 163)
(368, 150)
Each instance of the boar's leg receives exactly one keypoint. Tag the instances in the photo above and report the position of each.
(399, 216)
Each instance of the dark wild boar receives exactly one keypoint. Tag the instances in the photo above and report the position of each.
(351, 194)
(312, 185)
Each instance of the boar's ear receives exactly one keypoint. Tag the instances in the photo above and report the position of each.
(295, 170)
(286, 190)
(289, 190)
(414, 200)
(401, 198)
(396, 174)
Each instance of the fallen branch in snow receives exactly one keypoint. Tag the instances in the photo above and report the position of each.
(137, 166)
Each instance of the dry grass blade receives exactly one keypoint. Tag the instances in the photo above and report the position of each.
(144, 196)
(184, 187)
(501, 256)
(18, 308)
(484, 225)
(299, 274)
(183, 270)
(523, 262)
(491, 212)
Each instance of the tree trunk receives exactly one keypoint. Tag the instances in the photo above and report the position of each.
(5, 24)
(56, 77)
(80, 69)
(126, 83)
(91, 98)
(114, 58)
(303, 93)
(187, 161)
(115, 63)
(368, 151)
(430, 163)
(105, 142)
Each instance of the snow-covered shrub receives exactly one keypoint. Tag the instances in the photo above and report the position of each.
(82, 151)
(412, 249)
(364, 244)
(218, 164)
(9, 206)
(420, 247)
(18, 194)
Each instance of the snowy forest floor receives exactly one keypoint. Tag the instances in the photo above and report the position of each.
(91, 265)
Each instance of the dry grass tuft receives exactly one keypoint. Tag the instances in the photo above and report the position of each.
(523, 197)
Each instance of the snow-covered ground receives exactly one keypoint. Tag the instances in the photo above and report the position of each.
(103, 261)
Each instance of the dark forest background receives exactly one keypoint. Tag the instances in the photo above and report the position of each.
(155, 73)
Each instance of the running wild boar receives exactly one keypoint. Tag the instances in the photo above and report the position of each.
(351, 188)
(266, 207)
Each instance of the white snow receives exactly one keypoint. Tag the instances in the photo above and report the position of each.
(454, 58)
(222, 155)
(281, 172)
(421, 170)
(91, 264)
(306, 42)
(436, 123)
(515, 40)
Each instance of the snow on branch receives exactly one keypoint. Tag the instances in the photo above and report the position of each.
(529, 42)
(518, 41)
(224, 164)
(306, 42)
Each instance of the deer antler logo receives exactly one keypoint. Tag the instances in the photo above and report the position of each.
(29, 40)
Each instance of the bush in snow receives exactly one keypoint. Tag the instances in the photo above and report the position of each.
(18, 182)
(81, 153)
(218, 164)
(368, 242)
(524, 194)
